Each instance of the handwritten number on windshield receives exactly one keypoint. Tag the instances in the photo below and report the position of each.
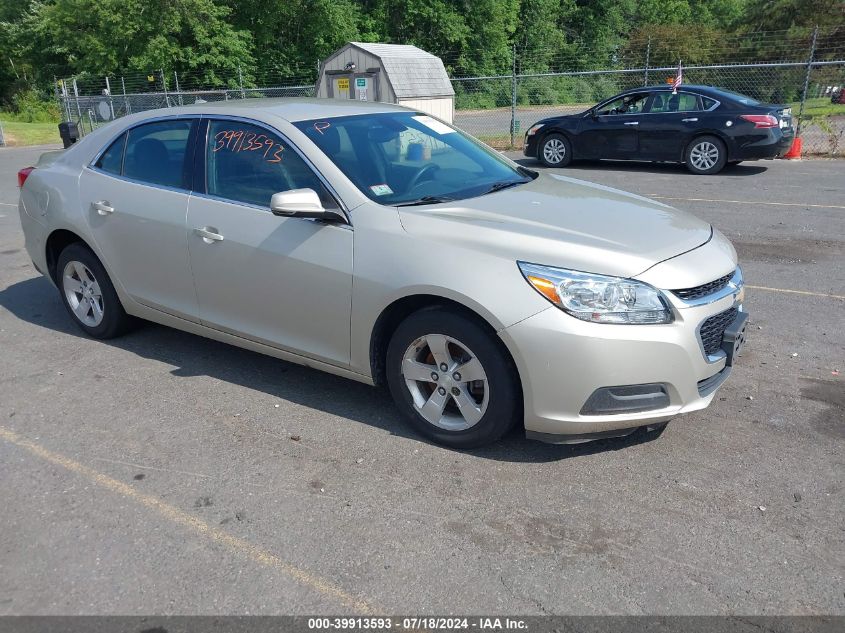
(244, 141)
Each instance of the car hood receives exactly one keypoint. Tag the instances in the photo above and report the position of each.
(560, 221)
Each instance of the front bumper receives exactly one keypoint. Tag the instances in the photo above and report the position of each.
(661, 369)
(530, 146)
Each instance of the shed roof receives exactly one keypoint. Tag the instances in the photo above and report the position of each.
(411, 71)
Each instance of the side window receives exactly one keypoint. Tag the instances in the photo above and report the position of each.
(707, 103)
(629, 104)
(112, 159)
(680, 102)
(247, 163)
(155, 153)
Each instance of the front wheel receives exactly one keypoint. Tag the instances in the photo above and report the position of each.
(555, 151)
(451, 379)
(706, 155)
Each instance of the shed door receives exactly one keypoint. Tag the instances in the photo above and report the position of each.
(366, 87)
(340, 86)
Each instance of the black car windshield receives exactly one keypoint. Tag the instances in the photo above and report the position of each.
(398, 158)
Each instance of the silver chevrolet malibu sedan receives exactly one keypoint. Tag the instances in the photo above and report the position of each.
(381, 244)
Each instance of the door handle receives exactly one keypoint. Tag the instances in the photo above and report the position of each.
(102, 207)
(209, 235)
(692, 120)
(632, 122)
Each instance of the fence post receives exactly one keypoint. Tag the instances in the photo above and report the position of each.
(807, 79)
(164, 86)
(513, 96)
(78, 109)
(125, 98)
(178, 90)
(111, 101)
(647, 59)
(241, 82)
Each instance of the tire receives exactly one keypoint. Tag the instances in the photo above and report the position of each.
(88, 294)
(706, 155)
(418, 384)
(555, 150)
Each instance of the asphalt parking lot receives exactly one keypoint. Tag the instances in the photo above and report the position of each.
(166, 473)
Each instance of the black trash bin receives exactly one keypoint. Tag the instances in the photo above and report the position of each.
(69, 132)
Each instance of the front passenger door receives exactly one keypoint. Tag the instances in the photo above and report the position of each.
(285, 282)
(612, 131)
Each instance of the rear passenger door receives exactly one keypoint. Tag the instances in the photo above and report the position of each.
(135, 198)
(285, 282)
(671, 121)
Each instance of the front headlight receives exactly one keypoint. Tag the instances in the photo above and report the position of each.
(533, 129)
(598, 298)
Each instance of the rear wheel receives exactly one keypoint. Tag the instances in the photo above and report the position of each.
(706, 155)
(555, 151)
(451, 380)
(88, 293)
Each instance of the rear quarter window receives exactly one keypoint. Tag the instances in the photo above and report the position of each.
(111, 160)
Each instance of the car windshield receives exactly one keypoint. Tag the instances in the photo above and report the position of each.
(404, 158)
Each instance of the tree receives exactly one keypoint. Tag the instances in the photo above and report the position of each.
(105, 37)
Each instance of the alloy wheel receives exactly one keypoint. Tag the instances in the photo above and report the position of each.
(83, 293)
(704, 156)
(554, 150)
(447, 383)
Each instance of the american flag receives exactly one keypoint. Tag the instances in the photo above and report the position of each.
(679, 79)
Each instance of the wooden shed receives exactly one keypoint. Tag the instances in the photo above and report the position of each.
(391, 73)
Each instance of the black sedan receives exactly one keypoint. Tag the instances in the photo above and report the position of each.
(704, 127)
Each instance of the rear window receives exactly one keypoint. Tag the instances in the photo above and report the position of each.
(155, 153)
(743, 99)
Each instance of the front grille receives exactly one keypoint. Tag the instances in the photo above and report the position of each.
(690, 294)
(713, 329)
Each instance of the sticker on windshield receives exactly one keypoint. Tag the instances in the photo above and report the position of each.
(433, 124)
(381, 190)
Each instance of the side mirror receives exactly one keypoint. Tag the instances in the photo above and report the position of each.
(301, 203)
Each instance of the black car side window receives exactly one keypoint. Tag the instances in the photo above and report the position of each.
(678, 102)
(111, 160)
(629, 104)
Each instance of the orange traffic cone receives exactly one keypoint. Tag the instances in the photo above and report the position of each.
(795, 151)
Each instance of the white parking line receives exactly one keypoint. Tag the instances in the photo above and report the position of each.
(8, 204)
(192, 523)
(796, 292)
(776, 204)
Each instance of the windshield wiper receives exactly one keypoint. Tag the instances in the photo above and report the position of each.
(505, 184)
(425, 200)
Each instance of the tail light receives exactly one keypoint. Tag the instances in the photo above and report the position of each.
(761, 120)
(23, 174)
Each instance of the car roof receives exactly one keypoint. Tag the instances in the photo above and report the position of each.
(288, 108)
(707, 90)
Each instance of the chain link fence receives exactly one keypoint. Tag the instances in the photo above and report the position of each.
(804, 70)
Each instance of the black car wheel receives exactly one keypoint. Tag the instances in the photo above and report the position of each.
(555, 151)
(706, 155)
(451, 379)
